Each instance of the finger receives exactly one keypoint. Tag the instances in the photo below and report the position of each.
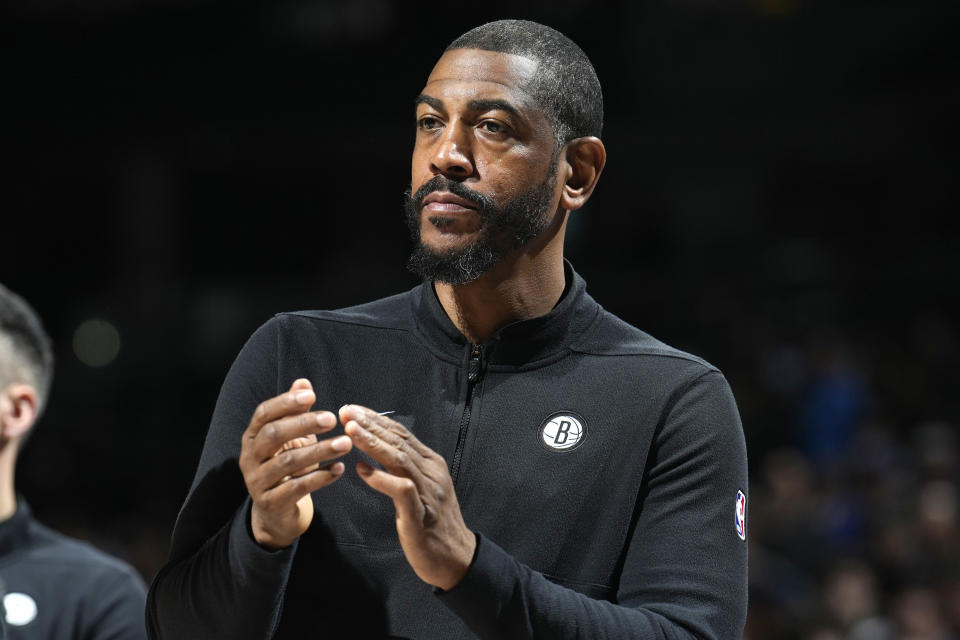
(397, 458)
(300, 383)
(384, 427)
(299, 462)
(302, 441)
(296, 443)
(297, 400)
(429, 463)
(275, 435)
(403, 491)
(286, 494)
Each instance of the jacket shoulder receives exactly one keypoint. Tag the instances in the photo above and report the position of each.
(55, 548)
(612, 336)
(392, 312)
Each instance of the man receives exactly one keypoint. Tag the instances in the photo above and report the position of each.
(54, 587)
(521, 463)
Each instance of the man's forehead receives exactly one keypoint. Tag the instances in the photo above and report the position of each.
(515, 73)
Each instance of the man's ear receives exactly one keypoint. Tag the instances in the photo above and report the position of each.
(586, 158)
(18, 410)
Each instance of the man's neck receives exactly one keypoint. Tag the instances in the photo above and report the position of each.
(8, 497)
(520, 287)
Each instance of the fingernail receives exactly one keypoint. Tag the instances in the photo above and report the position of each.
(364, 469)
(340, 444)
(337, 468)
(304, 397)
(325, 419)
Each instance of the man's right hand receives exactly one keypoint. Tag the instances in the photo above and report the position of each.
(283, 462)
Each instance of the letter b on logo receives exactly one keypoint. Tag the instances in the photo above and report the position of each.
(562, 431)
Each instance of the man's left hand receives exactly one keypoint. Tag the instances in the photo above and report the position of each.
(434, 537)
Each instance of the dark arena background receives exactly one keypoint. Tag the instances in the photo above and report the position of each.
(780, 179)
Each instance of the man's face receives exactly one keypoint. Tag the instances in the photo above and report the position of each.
(484, 165)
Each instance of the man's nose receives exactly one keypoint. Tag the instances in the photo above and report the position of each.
(452, 155)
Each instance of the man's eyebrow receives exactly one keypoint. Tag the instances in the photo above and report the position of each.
(473, 105)
(430, 100)
(494, 105)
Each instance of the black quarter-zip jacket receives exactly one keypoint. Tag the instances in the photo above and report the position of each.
(601, 469)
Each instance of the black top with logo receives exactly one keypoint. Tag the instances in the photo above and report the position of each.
(58, 588)
(599, 467)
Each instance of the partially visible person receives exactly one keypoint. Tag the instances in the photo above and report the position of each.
(54, 587)
(3, 614)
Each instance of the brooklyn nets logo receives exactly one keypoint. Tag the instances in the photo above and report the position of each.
(21, 609)
(562, 431)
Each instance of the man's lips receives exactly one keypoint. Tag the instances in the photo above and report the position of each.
(446, 202)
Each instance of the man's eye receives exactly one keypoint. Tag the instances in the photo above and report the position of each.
(492, 126)
(428, 124)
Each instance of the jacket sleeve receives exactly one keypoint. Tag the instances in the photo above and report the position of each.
(218, 582)
(685, 562)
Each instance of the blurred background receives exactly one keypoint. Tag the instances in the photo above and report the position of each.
(776, 200)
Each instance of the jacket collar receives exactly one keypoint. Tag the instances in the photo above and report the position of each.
(14, 532)
(525, 342)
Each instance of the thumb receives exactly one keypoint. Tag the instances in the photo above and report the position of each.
(403, 491)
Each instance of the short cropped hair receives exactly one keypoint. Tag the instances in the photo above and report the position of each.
(566, 84)
(26, 354)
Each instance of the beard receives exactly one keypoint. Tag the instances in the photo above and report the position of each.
(504, 228)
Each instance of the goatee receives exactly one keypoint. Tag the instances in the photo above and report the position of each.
(503, 229)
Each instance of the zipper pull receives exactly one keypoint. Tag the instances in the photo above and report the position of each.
(476, 364)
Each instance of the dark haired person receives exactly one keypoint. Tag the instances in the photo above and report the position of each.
(54, 587)
(516, 462)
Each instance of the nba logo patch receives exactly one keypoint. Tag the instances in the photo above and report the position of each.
(740, 515)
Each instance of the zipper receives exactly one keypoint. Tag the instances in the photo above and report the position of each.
(474, 375)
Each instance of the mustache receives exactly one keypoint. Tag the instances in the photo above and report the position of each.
(442, 183)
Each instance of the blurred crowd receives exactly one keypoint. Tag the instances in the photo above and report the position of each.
(854, 525)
